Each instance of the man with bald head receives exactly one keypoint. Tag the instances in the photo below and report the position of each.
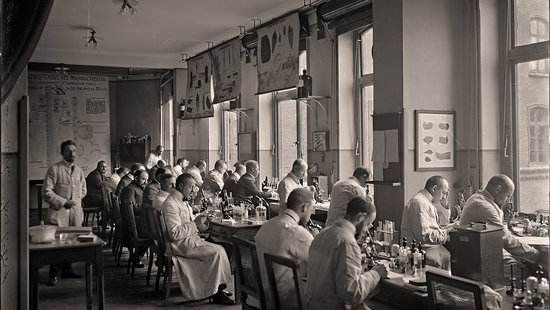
(419, 221)
(290, 182)
(286, 235)
(486, 206)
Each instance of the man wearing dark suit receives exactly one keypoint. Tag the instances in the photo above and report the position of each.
(128, 178)
(94, 186)
(246, 186)
(230, 184)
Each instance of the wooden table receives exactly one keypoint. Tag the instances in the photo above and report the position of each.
(75, 251)
(225, 230)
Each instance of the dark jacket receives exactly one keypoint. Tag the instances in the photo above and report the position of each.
(230, 184)
(246, 187)
(125, 181)
(94, 190)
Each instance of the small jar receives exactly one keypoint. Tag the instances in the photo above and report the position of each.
(261, 213)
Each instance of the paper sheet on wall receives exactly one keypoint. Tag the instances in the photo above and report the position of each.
(378, 171)
(379, 146)
(391, 146)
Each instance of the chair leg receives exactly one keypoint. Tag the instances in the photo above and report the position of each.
(119, 254)
(160, 260)
(98, 223)
(168, 282)
(149, 265)
(130, 259)
(112, 239)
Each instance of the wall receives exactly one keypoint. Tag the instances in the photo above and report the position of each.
(138, 109)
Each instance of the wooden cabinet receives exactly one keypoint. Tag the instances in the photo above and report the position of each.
(130, 153)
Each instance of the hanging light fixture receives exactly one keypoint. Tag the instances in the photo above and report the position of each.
(92, 40)
(126, 6)
(61, 69)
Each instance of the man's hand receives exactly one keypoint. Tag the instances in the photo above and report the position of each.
(69, 204)
(202, 222)
(382, 270)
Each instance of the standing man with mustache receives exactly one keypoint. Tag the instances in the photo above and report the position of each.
(64, 188)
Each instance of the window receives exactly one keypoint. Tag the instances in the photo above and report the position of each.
(366, 87)
(538, 135)
(529, 82)
(291, 126)
(229, 136)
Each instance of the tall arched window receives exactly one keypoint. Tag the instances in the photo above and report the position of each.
(538, 29)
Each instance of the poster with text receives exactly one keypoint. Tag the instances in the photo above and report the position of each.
(226, 60)
(278, 54)
(67, 107)
(198, 103)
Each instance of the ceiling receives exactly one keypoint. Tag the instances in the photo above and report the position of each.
(153, 38)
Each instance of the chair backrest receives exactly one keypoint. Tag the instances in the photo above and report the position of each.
(154, 228)
(249, 281)
(107, 201)
(270, 261)
(452, 292)
(165, 237)
(115, 204)
(129, 222)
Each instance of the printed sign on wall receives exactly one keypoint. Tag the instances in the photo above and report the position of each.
(64, 107)
(278, 54)
(226, 60)
(198, 103)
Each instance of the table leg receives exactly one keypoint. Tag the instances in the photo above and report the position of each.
(34, 289)
(99, 278)
(89, 286)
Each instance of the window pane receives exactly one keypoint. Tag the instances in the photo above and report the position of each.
(230, 126)
(532, 138)
(367, 101)
(366, 52)
(287, 130)
(531, 21)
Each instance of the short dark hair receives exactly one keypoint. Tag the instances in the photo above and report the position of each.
(139, 172)
(180, 160)
(67, 143)
(184, 178)
(360, 205)
(219, 164)
(298, 197)
(122, 170)
(362, 171)
(160, 171)
(137, 166)
(165, 176)
(240, 168)
(434, 180)
(201, 163)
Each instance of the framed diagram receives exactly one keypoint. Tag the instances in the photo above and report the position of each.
(320, 142)
(434, 140)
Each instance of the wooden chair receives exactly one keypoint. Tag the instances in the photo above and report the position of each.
(119, 237)
(165, 244)
(134, 242)
(247, 283)
(154, 243)
(270, 261)
(452, 292)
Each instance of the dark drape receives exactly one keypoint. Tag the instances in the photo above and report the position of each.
(22, 25)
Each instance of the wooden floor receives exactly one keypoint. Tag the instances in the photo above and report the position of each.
(121, 292)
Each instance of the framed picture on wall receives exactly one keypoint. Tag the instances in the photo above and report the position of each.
(435, 147)
(320, 143)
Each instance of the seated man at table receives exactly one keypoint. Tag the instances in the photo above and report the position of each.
(231, 183)
(419, 222)
(344, 191)
(290, 182)
(286, 235)
(128, 178)
(486, 206)
(196, 173)
(202, 267)
(180, 166)
(213, 183)
(167, 184)
(152, 190)
(246, 186)
(335, 278)
(153, 157)
(133, 195)
(112, 182)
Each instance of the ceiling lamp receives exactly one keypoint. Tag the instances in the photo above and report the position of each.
(61, 69)
(91, 40)
(126, 6)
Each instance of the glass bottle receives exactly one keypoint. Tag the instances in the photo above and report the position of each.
(261, 212)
